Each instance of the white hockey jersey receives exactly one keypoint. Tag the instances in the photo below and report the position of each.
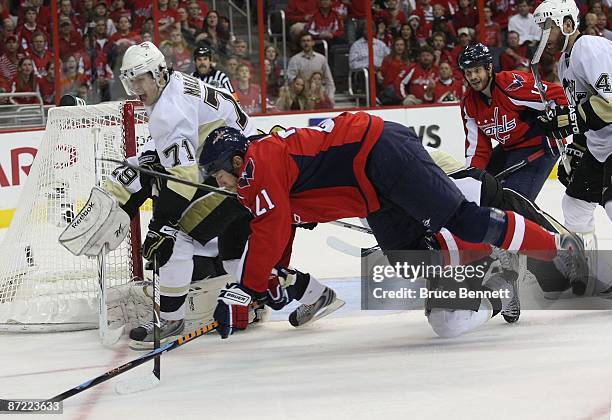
(587, 72)
(179, 122)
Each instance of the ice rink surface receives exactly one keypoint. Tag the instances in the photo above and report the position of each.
(352, 365)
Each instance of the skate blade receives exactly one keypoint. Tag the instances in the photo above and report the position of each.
(138, 384)
(332, 307)
(148, 345)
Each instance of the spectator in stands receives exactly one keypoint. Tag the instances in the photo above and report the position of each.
(381, 33)
(86, 13)
(101, 12)
(393, 16)
(491, 33)
(412, 43)
(325, 24)
(501, 10)
(10, 59)
(240, 48)
(590, 21)
(357, 12)
(84, 92)
(67, 12)
(523, 24)
(393, 64)
(97, 70)
(231, 67)
(299, 12)
(442, 24)
(424, 74)
(168, 19)
(448, 87)
(5, 87)
(71, 79)
(43, 13)
(39, 53)
(196, 16)
(124, 37)
(249, 93)
(272, 54)
(148, 26)
(273, 82)
(70, 42)
(466, 16)
(29, 27)
(424, 10)
(25, 81)
(465, 37)
(181, 55)
(142, 11)
(421, 32)
(441, 53)
(224, 27)
(46, 84)
(293, 96)
(147, 36)
(8, 29)
(100, 35)
(515, 56)
(308, 61)
(359, 52)
(317, 97)
(213, 36)
(602, 25)
(118, 10)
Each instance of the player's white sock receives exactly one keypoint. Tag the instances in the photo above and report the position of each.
(313, 291)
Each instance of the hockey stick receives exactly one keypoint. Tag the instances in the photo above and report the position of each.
(350, 249)
(540, 87)
(534, 156)
(170, 177)
(132, 364)
(361, 229)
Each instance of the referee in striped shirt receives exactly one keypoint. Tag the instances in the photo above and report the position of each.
(202, 56)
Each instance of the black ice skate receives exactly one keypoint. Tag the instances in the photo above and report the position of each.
(142, 336)
(507, 281)
(325, 305)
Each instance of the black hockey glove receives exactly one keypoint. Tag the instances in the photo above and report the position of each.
(309, 226)
(566, 120)
(159, 243)
(574, 153)
(232, 311)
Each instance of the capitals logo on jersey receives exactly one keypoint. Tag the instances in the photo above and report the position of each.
(496, 128)
(247, 175)
(517, 82)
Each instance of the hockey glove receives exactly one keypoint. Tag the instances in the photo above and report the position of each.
(280, 288)
(159, 243)
(232, 311)
(566, 120)
(574, 153)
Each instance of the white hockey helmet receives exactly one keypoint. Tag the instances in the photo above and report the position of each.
(140, 59)
(556, 10)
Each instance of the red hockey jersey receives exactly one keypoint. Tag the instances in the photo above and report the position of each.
(314, 174)
(507, 117)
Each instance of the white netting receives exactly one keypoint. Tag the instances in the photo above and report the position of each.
(42, 286)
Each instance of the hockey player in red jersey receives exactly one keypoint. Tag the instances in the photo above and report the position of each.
(354, 165)
(504, 107)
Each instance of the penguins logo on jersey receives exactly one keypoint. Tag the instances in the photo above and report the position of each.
(569, 86)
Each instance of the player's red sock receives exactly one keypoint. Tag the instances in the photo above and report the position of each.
(528, 238)
(460, 252)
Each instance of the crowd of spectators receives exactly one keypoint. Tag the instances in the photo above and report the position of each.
(416, 45)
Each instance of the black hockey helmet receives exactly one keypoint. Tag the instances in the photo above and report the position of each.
(202, 51)
(475, 55)
(220, 146)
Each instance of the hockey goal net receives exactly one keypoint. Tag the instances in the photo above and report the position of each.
(42, 286)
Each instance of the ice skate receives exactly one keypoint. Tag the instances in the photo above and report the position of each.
(511, 305)
(571, 262)
(325, 305)
(142, 336)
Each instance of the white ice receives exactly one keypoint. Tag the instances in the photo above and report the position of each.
(353, 365)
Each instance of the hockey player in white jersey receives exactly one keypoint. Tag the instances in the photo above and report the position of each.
(585, 69)
(182, 112)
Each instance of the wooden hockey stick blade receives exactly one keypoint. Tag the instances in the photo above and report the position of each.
(138, 384)
(169, 177)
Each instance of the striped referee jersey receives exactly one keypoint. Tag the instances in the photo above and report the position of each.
(215, 78)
